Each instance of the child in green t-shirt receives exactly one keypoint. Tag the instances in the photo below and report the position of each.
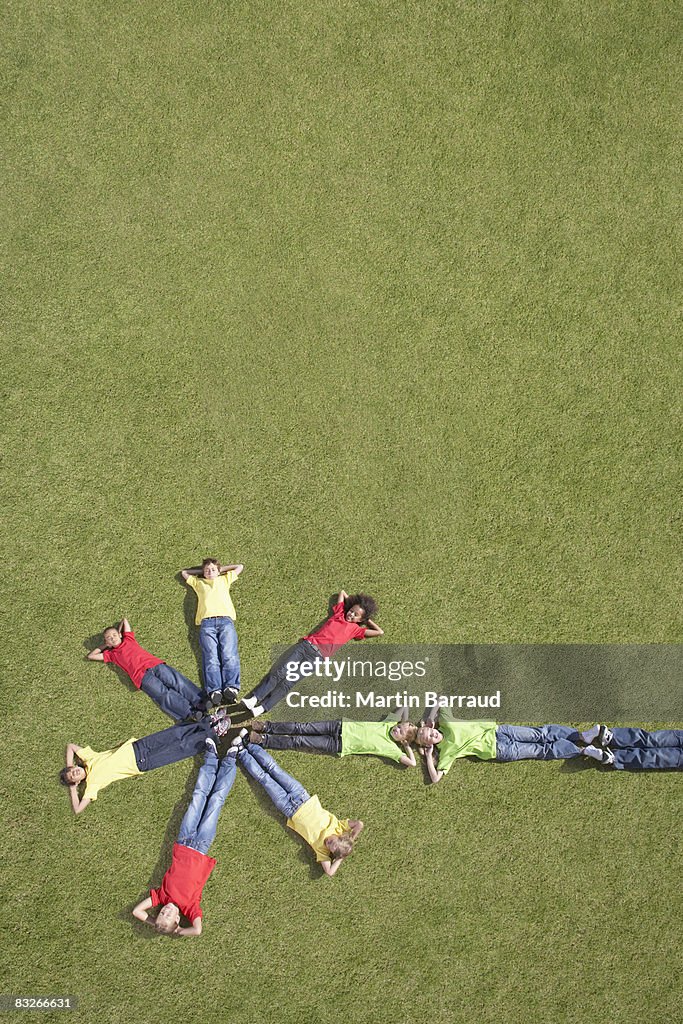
(390, 738)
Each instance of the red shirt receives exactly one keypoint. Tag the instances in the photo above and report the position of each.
(184, 881)
(336, 632)
(132, 658)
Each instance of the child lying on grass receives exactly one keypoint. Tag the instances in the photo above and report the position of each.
(351, 619)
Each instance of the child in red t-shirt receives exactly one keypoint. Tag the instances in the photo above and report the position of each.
(180, 892)
(351, 619)
(174, 693)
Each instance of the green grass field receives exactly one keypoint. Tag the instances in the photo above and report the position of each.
(380, 296)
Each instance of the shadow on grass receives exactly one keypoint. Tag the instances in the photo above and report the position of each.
(189, 613)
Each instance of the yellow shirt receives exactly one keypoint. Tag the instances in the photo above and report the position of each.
(315, 824)
(108, 766)
(213, 596)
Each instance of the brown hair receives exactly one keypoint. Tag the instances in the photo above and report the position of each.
(165, 929)
(420, 734)
(211, 561)
(410, 732)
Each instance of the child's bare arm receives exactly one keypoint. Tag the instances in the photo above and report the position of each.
(372, 629)
(341, 597)
(140, 911)
(434, 774)
(95, 655)
(76, 804)
(192, 571)
(408, 759)
(71, 750)
(356, 827)
(331, 867)
(196, 928)
(237, 569)
(125, 626)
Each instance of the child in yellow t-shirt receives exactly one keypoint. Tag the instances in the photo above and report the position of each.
(216, 620)
(331, 840)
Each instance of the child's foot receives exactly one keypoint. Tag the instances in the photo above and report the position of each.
(210, 745)
(216, 697)
(221, 713)
(238, 742)
(259, 727)
(220, 726)
(601, 756)
(196, 715)
(230, 695)
(258, 710)
(249, 702)
(590, 735)
(605, 737)
(257, 737)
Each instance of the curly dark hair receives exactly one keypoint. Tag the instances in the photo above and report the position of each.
(367, 603)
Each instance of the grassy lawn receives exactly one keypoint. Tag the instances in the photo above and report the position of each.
(375, 296)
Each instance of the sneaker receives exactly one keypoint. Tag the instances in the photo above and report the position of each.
(258, 710)
(233, 750)
(259, 727)
(258, 738)
(249, 702)
(216, 697)
(230, 695)
(218, 715)
(196, 715)
(605, 757)
(210, 745)
(220, 728)
(605, 737)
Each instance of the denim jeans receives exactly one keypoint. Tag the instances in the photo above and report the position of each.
(637, 749)
(320, 736)
(286, 793)
(542, 743)
(220, 660)
(214, 782)
(170, 745)
(275, 685)
(172, 691)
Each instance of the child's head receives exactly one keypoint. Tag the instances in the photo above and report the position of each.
(359, 608)
(112, 637)
(168, 919)
(210, 568)
(340, 846)
(427, 736)
(404, 732)
(72, 776)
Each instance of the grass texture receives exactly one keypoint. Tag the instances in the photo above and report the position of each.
(380, 296)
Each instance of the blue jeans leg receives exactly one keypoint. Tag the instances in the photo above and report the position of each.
(648, 758)
(204, 831)
(211, 666)
(629, 738)
(229, 658)
(540, 743)
(171, 691)
(171, 745)
(275, 685)
(202, 789)
(286, 793)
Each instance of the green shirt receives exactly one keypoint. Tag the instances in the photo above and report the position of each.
(465, 739)
(370, 738)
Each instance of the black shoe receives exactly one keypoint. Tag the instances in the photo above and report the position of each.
(215, 698)
(230, 695)
(196, 715)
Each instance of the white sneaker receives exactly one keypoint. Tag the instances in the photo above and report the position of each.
(249, 702)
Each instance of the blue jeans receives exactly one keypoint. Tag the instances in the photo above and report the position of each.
(214, 782)
(638, 749)
(172, 691)
(220, 660)
(286, 793)
(275, 685)
(542, 743)
(171, 745)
